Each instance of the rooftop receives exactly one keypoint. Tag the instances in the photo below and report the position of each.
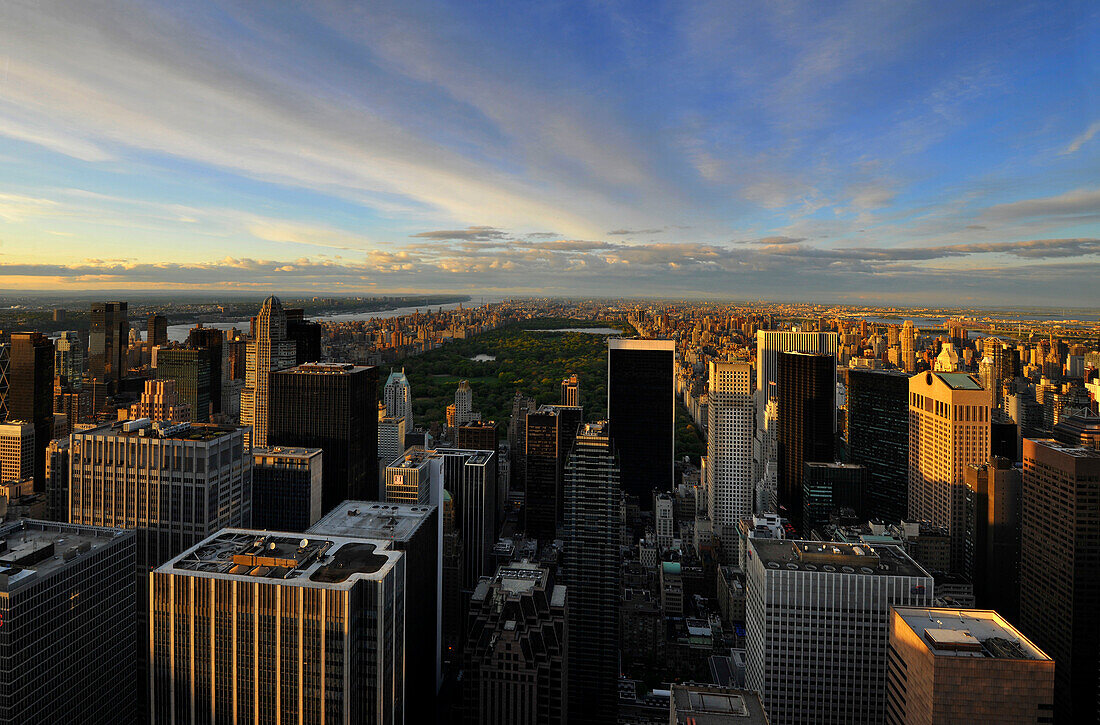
(714, 705)
(834, 557)
(285, 452)
(324, 368)
(146, 428)
(31, 549)
(959, 381)
(968, 633)
(373, 519)
(290, 559)
(1068, 449)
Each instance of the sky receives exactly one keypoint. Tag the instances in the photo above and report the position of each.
(938, 153)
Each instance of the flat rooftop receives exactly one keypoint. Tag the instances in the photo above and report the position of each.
(975, 633)
(1070, 450)
(31, 549)
(835, 557)
(323, 368)
(285, 558)
(145, 428)
(373, 519)
(285, 452)
(959, 381)
(714, 705)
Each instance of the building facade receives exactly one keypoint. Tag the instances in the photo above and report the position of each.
(30, 393)
(278, 628)
(286, 488)
(806, 426)
(269, 350)
(729, 451)
(817, 623)
(878, 438)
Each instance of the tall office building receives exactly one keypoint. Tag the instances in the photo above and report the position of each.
(30, 397)
(477, 435)
(69, 359)
(57, 479)
(878, 438)
(331, 406)
(542, 459)
(806, 429)
(828, 489)
(908, 341)
(68, 605)
(16, 451)
(286, 488)
(817, 616)
(175, 484)
(516, 653)
(464, 403)
(517, 439)
(641, 410)
(571, 391)
(391, 439)
(269, 351)
(414, 479)
(415, 532)
(949, 666)
(156, 330)
(210, 341)
(949, 429)
(1060, 568)
(453, 617)
(279, 628)
(592, 569)
(5, 385)
(771, 343)
(470, 476)
(729, 481)
(306, 336)
(398, 397)
(108, 341)
(190, 369)
(994, 497)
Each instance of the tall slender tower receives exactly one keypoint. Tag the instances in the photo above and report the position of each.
(909, 346)
(269, 351)
(107, 342)
(806, 385)
(729, 450)
(398, 395)
(571, 390)
(30, 397)
(593, 530)
(949, 429)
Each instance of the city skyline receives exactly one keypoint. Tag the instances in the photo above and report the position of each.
(848, 152)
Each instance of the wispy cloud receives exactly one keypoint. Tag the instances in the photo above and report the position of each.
(1083, 139)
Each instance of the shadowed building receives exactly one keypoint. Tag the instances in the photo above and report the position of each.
(878, 438)
(286, 488)
(30, 395)
(806, 390)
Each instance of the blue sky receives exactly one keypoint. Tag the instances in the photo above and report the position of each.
(920, 152)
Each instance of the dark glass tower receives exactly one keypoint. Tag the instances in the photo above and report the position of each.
(190, 368)
(542, 459)
(878, 438)
(108, 340)
(829, 487)
(806, 389)
(305, 334)
(211, 341)
(331, 406)
(156, 330)
(641, 408)
(592, 573)
(30, 396)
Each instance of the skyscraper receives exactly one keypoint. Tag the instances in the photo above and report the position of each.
(470, 476)
(641, 409)
(571, 390)
(279, 628)
(949, 666)
(542, 457)
(398, 396)
(478, 435)
(30, 397)
(5, 383)
(949, 429)
(108, 340)
(415, 532)
(57, 479)
(464, 403)
(828, 488)
(68, 604)
(331, 406)
(156, 330)
(69, 359)
(286, 488)
(175, 484)
(306, 336)
(994, 497)
(516, 653)
(817, 621)
(1060, 568)
(210, 342)
(729, 450)
(806, 388)
(878, 438)
(189, 368)
(592, 571)
(270, 350)
(160, 401)
(16, 451)
(909, 346)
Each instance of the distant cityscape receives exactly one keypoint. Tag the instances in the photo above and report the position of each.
(549, 511)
